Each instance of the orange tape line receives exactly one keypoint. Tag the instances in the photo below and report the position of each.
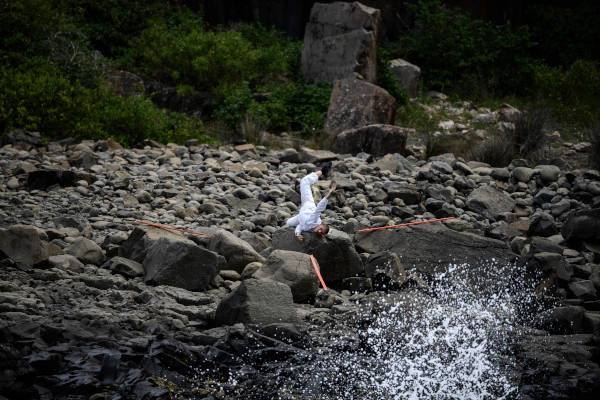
(314, 262)
(406, 224)
(172, 229)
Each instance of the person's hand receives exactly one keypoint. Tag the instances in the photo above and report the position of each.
(300, 237)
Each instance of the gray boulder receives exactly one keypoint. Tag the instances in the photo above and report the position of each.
(334, 252)
(355, 103)
(340, 41)
(407, 75)
(294, 269)
(490, 202)
(86, 250)
(377, 140)
(385, 270)
(257, 301)
(431, 248)
(123, 266)
(181, 263)
(25, 244)
(237, 252)
(142, 238)
(582, 225)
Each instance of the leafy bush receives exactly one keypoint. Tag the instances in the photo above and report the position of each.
(296, 107)
(187, 53)
(461, 54)
(40, 98)
(573, 95)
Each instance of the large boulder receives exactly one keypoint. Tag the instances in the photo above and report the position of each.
(582, 226)
(237, 252)
(407, 75)
(257, 301)
(25, 244)
(335, 252)
(181, 263)
(340, 41)
(142, 238)
(22, 139)
(355, 103)
(385, 270)
(44, 178)
(432, 248)
(294, 269)
(490, 202)
(377, 140)
(86, 250)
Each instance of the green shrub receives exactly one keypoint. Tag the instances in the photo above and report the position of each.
(386, 78)
(413, 115)
(295, 107)
(187, 53)
(458, 53)
(573, 95)
(40, 98)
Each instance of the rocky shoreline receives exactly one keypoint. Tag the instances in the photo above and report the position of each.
(97, 305)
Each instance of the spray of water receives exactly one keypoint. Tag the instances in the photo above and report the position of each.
(451, 340)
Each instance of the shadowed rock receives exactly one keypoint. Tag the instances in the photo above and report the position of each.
(181, 263)
(294, 269)
(237, 252)
(432, 247)
(335, 253)
(257, 302)
(355, 103)
(377, 140)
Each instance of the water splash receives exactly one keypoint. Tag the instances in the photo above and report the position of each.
(452, 342)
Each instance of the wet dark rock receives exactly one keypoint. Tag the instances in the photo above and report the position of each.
(582, 225)
(181, 264)
(257, 302)
(43, 179)
(334, 252)
(294, 269)
(22, 139)
(432, 247)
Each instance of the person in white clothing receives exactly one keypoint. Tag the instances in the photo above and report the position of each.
(309, 216)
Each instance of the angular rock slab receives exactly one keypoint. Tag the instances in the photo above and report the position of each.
(340, 41)
(490, 202)
(582, 226)
(294, 269)
(355, 103)
(24, 243)
(431, 248)
(257, 301)
(334, 252)
(407, 75)
(181, 264)
(377, 140)
(142, 238)
(237, 252)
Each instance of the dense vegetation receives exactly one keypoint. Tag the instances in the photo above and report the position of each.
(57, 56)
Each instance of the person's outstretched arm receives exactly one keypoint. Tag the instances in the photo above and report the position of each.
(323, 203)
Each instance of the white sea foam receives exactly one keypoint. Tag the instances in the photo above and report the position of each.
(451, 343)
